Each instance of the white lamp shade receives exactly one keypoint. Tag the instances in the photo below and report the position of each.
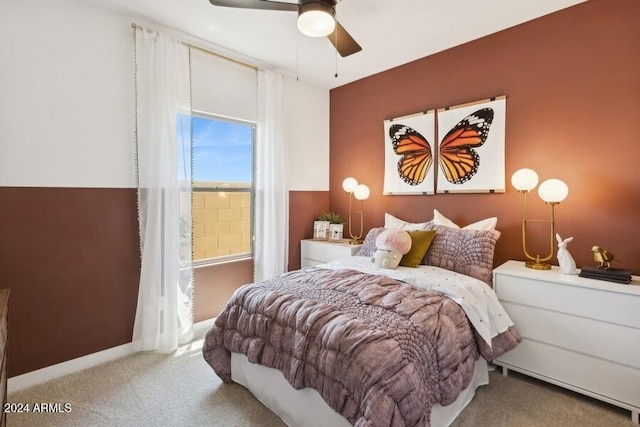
(316, 23)
(349, 184)
(524, 179)
(553, 191)
(361, 192)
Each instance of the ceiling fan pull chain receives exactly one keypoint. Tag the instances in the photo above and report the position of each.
(335, 32)
(298, 57)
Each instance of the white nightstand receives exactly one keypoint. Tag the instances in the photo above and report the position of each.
(314, 252)
(581, 334)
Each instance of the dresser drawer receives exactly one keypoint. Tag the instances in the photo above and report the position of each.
(603, 340)
(578, 333)
(582, 373)
(323, 252)
(306, 262)
(612, 307)
(315, 252)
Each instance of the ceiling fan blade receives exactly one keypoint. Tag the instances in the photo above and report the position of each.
(255, 4)
(343, 42)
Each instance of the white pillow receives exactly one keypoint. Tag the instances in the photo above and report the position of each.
(483, 225)
(391, 221)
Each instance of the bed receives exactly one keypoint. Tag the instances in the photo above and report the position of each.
(346, 343)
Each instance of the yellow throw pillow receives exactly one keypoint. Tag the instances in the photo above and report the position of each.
(420, 242)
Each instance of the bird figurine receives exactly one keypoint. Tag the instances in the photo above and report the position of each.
(604, 257)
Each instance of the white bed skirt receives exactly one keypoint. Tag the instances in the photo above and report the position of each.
(306, 408)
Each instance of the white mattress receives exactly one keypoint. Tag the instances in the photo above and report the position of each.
(306, 408)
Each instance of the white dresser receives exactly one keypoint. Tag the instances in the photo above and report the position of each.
(314, 252)
(581, 334)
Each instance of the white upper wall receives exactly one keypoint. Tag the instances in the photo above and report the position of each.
(67, 104)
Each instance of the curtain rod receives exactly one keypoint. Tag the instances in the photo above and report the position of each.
(236, 61)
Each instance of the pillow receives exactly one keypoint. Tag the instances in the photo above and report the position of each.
(391, 245)
(464, 251)
(420, 242)
(394, 239)
(391, 221)
(368, 247)
(485, 224)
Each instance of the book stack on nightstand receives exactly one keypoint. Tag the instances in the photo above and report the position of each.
(610, 275)
(314, 252)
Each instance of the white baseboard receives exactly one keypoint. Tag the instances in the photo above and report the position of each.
(52, 372)
(48, 373)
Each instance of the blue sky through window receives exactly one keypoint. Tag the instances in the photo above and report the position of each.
(222, 151)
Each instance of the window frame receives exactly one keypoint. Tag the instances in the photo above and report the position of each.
(251, 190)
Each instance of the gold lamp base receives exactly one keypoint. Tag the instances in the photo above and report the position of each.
(538, 265)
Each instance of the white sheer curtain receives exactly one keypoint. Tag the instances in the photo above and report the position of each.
(272, 196)
(163, 125)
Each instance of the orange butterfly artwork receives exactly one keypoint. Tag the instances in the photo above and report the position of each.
(458, 159)
(415, 151)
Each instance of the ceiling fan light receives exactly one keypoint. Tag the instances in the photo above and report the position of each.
(316, 19)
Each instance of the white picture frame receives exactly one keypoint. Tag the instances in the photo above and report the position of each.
(420, 127)
(321, 230)
(488, 158)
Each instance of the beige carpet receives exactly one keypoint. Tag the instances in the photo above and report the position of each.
(149, 389)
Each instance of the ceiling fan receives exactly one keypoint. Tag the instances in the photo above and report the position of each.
(316, 18)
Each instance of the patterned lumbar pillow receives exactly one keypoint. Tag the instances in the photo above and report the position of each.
(464, 251)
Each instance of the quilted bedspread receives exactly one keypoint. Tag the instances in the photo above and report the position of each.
(380, 351)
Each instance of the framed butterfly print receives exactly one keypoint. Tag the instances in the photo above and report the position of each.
(409, 166)
(471, 147)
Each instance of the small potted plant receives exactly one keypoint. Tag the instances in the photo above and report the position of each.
(331, 223)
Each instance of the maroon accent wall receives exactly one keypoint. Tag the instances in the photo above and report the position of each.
(71, 259)
(304, 207)
(572, 87)
(214, 285)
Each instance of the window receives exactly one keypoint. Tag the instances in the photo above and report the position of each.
(223, 188)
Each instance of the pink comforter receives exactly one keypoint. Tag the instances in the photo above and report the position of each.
(379, 351)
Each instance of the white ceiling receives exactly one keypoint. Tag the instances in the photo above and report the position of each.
(391, 32)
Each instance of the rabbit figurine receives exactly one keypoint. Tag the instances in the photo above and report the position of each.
(565, 260)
